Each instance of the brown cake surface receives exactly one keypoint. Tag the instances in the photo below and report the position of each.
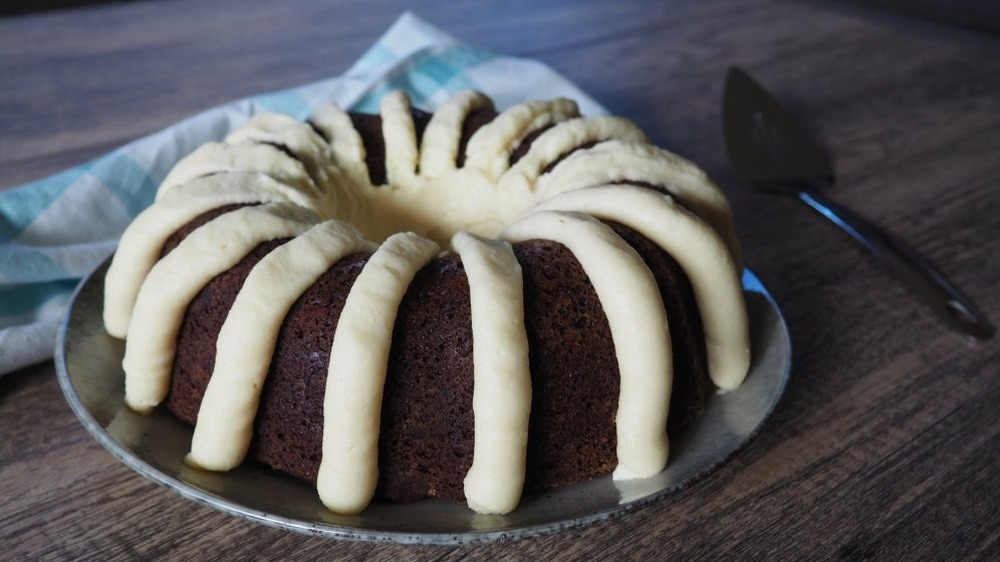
(426, 440)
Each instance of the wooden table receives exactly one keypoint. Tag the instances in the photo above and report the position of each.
(887, 442)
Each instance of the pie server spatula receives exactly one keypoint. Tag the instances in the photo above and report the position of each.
(769, 151)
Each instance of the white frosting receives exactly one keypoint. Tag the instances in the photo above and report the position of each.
(631, 300)
(400, 137)
(299, 138)
(216, 158)
(427, 194)
(700, 252)
(352, 404)
(247, 339)
(177, 278)
(501, 398)
(345, 142)
(558, 141)
(616, 161)
(141, 244)
(490, 147)
(439, 147)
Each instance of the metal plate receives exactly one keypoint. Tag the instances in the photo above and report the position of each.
(89, 365)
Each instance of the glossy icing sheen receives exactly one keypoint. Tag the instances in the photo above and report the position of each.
(311, 182)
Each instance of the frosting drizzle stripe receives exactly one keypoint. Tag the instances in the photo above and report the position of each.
(561, 139)
(345, 142)
(501, 397)
(490, 146)
(247, 339)
(634, 309)
(352, 404)
(143, 240)
(618, 161)
(702, 255)
(400, 137)
(214, 158)
(177, 278)
(300, 139)
(439, 148)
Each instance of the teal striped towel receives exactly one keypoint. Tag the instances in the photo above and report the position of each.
(55, 230)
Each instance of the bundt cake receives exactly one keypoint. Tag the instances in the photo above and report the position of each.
(465, 304)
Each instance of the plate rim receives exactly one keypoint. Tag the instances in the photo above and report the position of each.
(751, 284)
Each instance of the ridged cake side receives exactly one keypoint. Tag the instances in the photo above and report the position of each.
(550, 199)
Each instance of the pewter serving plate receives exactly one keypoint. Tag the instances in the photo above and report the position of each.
(89, 365)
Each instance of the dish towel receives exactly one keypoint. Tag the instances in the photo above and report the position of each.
(55, 230)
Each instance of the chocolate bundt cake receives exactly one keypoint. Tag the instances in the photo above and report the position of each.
(465, 304)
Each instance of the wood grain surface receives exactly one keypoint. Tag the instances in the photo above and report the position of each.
(887, 442)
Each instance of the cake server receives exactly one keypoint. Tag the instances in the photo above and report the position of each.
(769, 151)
